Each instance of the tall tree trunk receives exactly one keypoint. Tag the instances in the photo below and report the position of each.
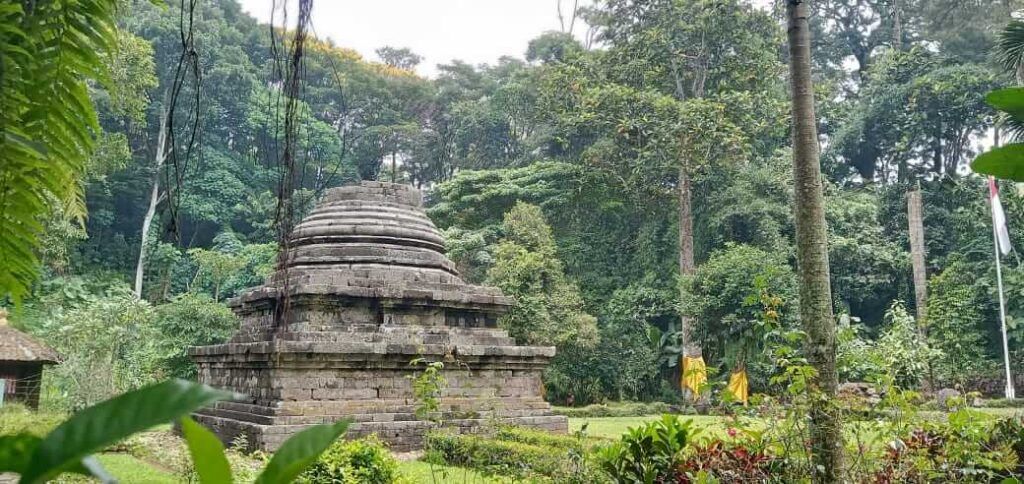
(812, 254)
(688, 324)
(897, 25)
(691, 343)
(155, 197)
(915, 220)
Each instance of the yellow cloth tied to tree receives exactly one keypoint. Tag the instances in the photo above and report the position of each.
(695, 375)
(739, 387)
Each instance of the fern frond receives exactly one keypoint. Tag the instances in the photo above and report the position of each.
(47, 122)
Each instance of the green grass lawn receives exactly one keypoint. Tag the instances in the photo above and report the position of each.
(127, 468)
(613, 427)
(1004, 412)
(422, 472)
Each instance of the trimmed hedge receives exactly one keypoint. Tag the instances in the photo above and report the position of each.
(509, 433)
(514, 453)
(618, 409)
(1003, 403)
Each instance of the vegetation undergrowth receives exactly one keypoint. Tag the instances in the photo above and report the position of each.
(516, 453)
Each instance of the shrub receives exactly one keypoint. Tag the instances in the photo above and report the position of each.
(16, 419)
(1010, 432)
(904, 354)
(190, 319)
(108, 343)
(617, 409)
(1003, 403)
(900, 352)
(363, 461)
(727, 462)
(541, 438)
(650, 453)
(512, 452)
(965, 449)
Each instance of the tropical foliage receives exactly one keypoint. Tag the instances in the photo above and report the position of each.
(631, 189)
(48, 125)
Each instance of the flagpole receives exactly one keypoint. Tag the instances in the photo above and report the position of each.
(1002, 310)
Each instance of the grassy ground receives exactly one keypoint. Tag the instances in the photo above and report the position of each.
(127, 468)
(155, 455)
(613, 427)
(422, 472)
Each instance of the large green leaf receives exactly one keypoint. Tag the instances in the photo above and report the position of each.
(105, 423)
(16, 453)
(299, 452)
(16, 450)
(207, 453)
(90, 465)
(1005, 163)
(1010, 100)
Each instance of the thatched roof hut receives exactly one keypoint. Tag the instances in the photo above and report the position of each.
(21, 364)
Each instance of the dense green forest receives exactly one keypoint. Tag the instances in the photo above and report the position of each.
(611, 188)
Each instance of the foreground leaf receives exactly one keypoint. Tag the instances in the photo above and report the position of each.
(1006, 163)
(16, 453)
(16, 450)
(90, 465)
(298, 452)
(207, 453)
(103, 424)
(1009, 100)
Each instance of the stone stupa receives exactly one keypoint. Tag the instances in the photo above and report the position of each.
(371, 290)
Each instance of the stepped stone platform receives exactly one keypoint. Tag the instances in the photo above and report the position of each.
(370, 290)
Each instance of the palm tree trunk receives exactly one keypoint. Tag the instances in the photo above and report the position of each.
(812, 253)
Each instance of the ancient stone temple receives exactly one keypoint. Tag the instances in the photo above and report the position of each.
(371, 290)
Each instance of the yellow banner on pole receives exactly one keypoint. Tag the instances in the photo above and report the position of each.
(695, 375)
(739, 387)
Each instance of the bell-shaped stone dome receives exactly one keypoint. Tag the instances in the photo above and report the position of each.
(374, 242)
(372, 225)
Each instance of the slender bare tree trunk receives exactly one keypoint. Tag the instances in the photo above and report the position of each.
(897, 25)
(691, 343)
(155, 197)
(915, 220)
(812, 253)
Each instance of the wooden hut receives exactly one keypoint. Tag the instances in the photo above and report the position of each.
(21, 364)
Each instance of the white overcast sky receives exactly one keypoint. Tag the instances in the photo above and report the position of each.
(475, 31)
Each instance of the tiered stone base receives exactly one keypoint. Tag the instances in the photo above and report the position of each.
(401, 434)
(292, 385)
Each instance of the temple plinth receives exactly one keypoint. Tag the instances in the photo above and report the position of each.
(370, 290)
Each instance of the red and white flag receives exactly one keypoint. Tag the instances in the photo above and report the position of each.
(999, 218)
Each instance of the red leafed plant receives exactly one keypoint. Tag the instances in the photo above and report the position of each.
(728, 462)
